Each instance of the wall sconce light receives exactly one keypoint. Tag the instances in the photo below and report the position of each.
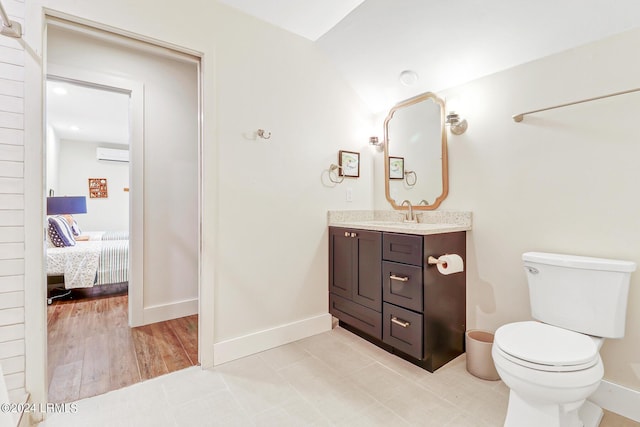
(374, 142)
(457, 126)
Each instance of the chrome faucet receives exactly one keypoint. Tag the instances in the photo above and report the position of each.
(409, 217)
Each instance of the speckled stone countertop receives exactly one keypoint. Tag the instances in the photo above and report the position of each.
(429, 222)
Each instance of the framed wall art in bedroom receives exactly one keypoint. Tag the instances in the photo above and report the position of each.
(98, 188)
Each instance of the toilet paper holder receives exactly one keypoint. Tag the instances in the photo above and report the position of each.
(433, 260)
(447, 263)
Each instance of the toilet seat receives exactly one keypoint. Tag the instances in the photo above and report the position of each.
(545, 347)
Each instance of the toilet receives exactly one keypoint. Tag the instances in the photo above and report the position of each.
(552, 364)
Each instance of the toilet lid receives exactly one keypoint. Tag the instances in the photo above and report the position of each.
(544, 344)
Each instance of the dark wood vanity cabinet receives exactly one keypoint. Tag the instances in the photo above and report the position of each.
(420, 313)
(355, 278)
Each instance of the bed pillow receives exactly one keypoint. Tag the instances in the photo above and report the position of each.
(73, 225)
(60, 232)
(75, 228)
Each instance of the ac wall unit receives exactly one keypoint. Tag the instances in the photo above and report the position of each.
(112, 155)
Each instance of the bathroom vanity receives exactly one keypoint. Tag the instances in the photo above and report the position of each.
(385, 278)
(382, 287)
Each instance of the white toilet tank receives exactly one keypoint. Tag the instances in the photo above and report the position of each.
(583, 294)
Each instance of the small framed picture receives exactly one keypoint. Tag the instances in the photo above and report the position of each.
(396, 167)
(98, 188)
(349, 163)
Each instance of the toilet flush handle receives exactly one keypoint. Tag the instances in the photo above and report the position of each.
(532, 270)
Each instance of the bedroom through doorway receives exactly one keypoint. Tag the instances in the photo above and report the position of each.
(122, 188)
(87, 183)
(91, 347)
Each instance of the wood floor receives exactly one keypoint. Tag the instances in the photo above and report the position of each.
(92, 350)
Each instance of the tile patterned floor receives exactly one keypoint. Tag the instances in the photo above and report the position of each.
(331, 379)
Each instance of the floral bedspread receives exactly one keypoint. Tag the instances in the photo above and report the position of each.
(78, 263)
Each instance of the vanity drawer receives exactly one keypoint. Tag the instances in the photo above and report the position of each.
(367, 320)
(402, 285)
(402, 329)
(404, 248)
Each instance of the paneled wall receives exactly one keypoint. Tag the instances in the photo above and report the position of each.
(12, 348)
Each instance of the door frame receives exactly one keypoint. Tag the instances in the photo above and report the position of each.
(35, 295)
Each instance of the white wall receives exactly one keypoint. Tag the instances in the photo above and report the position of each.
(561, 181)
(52, 161)
(77, 163)
(12, 190)
(273, 195)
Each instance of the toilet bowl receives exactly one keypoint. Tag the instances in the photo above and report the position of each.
(552, 364)
(550, 372)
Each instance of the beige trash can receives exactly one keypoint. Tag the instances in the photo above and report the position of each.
(479, 360)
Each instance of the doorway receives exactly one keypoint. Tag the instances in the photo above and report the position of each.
(109, 336)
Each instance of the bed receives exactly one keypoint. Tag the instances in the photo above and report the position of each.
(87, 259)
(106, 235)
(90, 263)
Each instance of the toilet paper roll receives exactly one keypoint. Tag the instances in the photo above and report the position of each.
(450, 263)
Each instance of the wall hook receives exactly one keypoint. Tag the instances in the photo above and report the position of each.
(262, 134)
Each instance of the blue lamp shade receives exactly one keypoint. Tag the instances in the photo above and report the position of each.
(66, 205)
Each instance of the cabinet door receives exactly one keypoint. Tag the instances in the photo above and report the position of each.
(368, 277)
(341, 262)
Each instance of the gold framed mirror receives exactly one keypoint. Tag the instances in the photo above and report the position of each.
(415, 153)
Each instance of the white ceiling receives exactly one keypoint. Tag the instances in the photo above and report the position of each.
(446, 43)
(371, 42)
(82, 113)
(308, 18)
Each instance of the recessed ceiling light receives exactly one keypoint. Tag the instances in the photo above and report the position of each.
(408, 77)
(59, 90)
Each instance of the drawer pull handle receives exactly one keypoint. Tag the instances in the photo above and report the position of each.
(399, 278)
(399, 322)
(347, 234)
(354, 235)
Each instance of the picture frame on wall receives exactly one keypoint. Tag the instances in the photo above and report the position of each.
(349, 163)
(396, 167)
(98, 188)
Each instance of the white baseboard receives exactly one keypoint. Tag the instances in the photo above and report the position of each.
(618, 399)
(247, 345)
(160, 313)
